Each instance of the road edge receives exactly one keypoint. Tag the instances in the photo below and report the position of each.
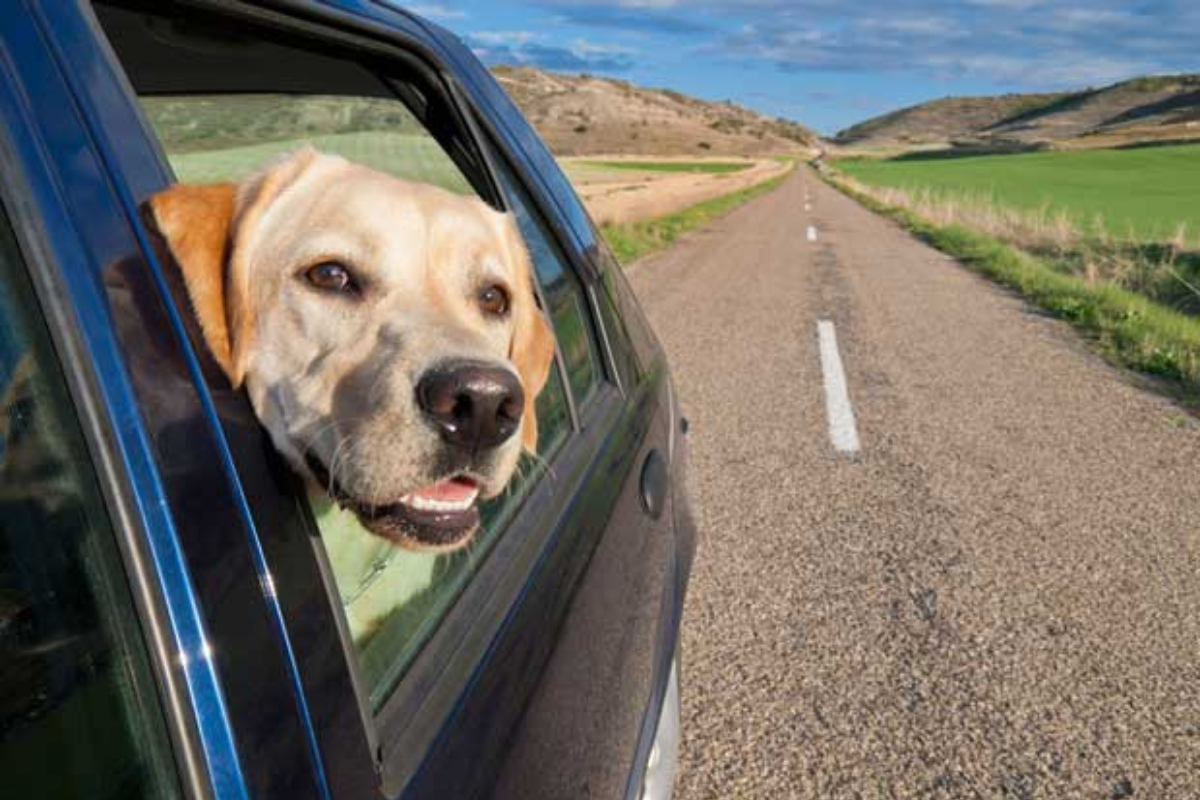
(1126, 329)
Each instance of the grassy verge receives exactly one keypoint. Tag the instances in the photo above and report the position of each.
(714, 167)
(633, 240)
(1130, 329)
(1146, 194)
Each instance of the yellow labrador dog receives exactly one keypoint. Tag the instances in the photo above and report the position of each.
(387, 334)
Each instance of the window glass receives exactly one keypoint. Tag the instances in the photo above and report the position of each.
(78, 711)
(211, 138)
(634, 346)
(393, 598)
(563, 293)
(615, 325)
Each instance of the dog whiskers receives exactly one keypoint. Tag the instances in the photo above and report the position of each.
(336, 461)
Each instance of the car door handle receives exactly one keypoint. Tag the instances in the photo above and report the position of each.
(655, 483)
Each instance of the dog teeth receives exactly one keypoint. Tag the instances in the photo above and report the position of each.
(429, 504)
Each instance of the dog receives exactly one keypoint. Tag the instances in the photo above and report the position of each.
(387, 333)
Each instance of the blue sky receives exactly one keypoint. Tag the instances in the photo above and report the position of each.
(830, 63)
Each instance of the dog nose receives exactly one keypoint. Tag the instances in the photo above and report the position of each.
(472, 405)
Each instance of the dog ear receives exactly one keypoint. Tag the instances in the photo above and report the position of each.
(196, 222)
(203, 226)
(532, 350)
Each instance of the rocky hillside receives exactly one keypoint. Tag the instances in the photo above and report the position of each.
(586, 115)
(944, 120)
(1143, 109)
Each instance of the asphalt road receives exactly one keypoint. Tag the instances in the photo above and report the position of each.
(998, 596)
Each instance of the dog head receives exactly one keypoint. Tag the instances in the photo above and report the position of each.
(387, 333)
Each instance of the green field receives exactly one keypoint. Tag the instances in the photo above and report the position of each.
(229, 137)
(414, 157)
(713, 167)
(1143, 193)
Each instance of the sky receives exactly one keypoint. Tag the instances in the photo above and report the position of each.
(831, 63)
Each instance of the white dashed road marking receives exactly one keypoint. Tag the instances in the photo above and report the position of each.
(812, 233)
(843, 432)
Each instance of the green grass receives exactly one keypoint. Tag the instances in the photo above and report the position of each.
(1129, 328)
(1143, 193)
(191, 123)
(415, 157)
(713, 167)
(228, 137)
(633, 240)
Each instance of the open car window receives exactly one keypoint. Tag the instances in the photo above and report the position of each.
(222, 106)
(210, 138)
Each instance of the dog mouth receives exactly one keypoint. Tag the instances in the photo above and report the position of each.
(441, 516)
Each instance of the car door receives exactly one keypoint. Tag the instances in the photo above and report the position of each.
(167, 505)
(450, 681)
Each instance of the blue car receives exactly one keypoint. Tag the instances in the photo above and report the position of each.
(179, 618)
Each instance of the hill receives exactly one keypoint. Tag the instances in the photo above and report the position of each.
(1158, 108)
(575, 114)
(944, 120)
(586, 115)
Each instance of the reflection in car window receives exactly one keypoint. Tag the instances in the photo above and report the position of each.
(393, 599)
(563, 293)
(78, 712)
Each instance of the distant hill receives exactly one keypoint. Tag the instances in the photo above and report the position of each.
(1142, 109)
(944, 120)
(586, 115)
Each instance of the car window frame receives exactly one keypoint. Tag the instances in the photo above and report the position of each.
(397, 742)
(495, 196)
(32, 214)
(60, 423)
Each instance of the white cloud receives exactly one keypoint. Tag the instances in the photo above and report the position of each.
(1059, 44)
(543, 50)
(583, 47)
(511, 38)
(438, 12)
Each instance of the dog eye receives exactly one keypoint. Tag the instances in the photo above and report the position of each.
(493, 300)
(331, 277)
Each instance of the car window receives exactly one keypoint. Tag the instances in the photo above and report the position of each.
(209, 138)
(79, 715)
(218, 124)
(393, 598)
(562, 290)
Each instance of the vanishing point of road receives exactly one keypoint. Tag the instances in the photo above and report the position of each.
(978, 579)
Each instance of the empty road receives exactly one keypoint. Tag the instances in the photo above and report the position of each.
(971, 569)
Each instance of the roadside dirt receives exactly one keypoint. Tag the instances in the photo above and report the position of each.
(627, 195)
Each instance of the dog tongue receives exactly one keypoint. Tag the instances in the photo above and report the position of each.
(455, 490)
